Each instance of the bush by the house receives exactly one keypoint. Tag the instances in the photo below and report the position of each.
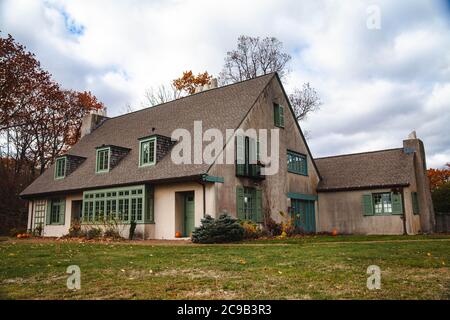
(273, 228)
(75, 230)
(14, 232)
(221, 230)
(251, 230)
(93, 233)
(132, 230)
(441, 198)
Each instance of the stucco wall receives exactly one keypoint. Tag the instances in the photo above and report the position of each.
(275, 187)
(60, 230)
(166, 208)
(343, 211)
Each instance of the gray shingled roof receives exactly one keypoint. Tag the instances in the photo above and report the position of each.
(222, 108)
(385, 168)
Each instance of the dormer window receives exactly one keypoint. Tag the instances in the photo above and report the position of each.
(60, 168)
(102, 163)
(147, 152)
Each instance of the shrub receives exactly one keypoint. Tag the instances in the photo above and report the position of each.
(273, 228)
(14, 232)
(93, 233)
(251, 229)
(75, 230)
(441, 198)
(222, 230)
(37, 232)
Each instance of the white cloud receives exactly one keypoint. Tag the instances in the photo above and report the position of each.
(376, 85)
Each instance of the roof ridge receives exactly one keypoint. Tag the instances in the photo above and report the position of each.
(194, 94)
(357, 153)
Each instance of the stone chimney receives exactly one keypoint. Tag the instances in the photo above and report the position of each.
(211, 85)
(414, 145)
(92, 121)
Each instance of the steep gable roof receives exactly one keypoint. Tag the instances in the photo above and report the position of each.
(377, 169)
(222, 108)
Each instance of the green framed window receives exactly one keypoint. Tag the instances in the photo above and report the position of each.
(39, 214)
(415, 202)
(126, 204)
(297, 163)
(248, 157)
(384, 203)
(56, 211)
(60, 168)
(249, 204)
(147, 152)
(278, 115)
(102, 160)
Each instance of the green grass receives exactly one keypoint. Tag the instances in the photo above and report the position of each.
(317, 267)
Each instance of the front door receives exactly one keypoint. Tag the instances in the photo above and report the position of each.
(189, 213)
(76, 210)
(304, 215)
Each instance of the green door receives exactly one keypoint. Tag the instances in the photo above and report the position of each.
(189, 214)
(304, 215)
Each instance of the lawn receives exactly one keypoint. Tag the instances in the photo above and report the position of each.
(320, 267)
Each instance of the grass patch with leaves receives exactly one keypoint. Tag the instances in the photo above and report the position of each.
(303, 268)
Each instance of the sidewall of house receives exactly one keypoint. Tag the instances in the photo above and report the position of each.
(63, 229)
(275, 187)
(343, 211)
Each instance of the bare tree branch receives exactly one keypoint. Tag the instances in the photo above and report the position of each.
(304, 101)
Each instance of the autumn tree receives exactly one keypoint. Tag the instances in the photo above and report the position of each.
(304, 101)
(182, 86)
(38, 122)
(188, 82)
(255, 57)
(439, 177)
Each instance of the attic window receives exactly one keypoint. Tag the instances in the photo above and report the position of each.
(60, 168)
(147, 152)
(102, 162)
(278, 115)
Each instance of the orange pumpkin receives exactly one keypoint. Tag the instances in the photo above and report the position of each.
(178, 234)
(334, 233)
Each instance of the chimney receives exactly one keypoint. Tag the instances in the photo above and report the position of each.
(92, 121)
(213, 83)
(413, 145)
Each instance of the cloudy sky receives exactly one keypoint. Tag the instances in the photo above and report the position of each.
(376, 84)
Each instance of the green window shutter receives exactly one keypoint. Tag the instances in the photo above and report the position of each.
(276, 115)
(367, 205)
(240, 202)
(48, 212)
(240, 155)
(397, 206)
(415, 202)
(281, 116)
(258, 206)
(62, 211)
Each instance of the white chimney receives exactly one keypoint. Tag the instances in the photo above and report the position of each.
(213, 83)
(412, 135)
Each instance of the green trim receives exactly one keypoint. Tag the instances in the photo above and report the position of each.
(123, 204)
(144, 141)
(297, 167)
(208, 178)
(301, 196)
(61, 213)
(101, 150)
(57, 176)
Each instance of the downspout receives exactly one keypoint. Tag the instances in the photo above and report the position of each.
(32, 214)
(404, 212)
(204, 195)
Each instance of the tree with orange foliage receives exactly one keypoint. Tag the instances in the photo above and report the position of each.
(439, 177)
(188, 82)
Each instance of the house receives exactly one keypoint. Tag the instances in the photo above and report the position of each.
(126, 167)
